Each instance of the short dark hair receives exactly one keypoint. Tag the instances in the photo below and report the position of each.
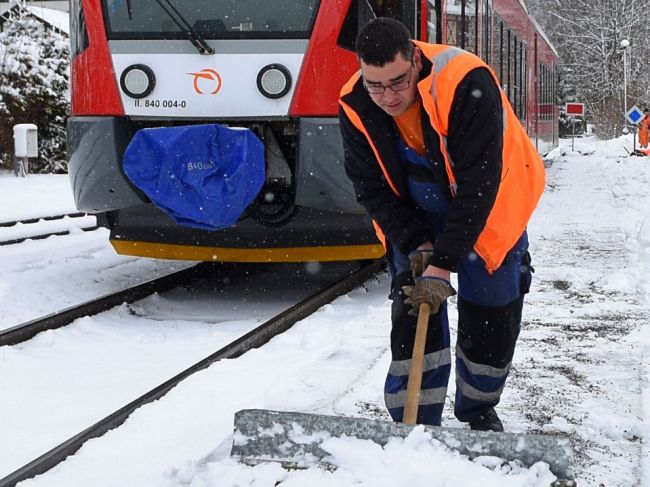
(380, 40)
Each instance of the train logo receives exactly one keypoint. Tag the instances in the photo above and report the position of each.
(213, 80)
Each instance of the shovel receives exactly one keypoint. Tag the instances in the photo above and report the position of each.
(294, 439)
(417, 364)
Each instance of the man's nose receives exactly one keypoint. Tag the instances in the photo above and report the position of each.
(389, 94)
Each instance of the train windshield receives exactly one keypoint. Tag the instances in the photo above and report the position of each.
(210, 19)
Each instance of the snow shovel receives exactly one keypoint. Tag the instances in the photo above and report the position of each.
(294, 439)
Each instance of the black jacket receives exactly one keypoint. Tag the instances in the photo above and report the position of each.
(475, 143)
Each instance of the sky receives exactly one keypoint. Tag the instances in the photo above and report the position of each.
(580, 369)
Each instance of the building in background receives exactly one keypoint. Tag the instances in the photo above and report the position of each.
(43, 11)
(62, 5)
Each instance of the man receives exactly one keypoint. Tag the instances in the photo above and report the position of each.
(443, 166)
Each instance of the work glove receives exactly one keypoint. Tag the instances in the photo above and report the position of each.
(419, 260)
(432, 290)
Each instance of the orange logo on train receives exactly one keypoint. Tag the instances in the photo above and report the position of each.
(214, 81)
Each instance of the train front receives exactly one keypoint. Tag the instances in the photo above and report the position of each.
(273, 68)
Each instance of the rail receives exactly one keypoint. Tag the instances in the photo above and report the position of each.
(33, 227)
(27, 330)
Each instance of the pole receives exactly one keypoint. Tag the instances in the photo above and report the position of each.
(625, 86)
(573, 134)
(20, 166)
(625, 80)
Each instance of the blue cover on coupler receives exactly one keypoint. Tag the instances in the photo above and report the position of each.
(203, 176)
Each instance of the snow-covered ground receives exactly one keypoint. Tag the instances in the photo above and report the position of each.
(580, 368)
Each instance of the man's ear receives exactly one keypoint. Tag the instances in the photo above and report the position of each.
(417, 58)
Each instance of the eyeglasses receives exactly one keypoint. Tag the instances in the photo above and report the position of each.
(378, 88)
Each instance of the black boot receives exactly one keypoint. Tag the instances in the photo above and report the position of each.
(488, 421)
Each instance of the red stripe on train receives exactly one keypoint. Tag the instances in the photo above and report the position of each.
(326, 66)
(94, 89)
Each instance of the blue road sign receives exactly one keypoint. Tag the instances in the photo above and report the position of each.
(634, 115)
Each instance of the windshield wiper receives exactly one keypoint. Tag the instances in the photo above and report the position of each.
(196, 38)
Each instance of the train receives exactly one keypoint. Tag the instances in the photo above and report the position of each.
(275, 68)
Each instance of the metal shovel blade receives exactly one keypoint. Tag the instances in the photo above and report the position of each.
(294, 440)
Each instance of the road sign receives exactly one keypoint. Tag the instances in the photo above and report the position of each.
(575, 109)
(634, 115)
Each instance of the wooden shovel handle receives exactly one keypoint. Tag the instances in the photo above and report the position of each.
(417, 364)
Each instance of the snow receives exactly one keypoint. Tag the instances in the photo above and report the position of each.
(581, 367)
(34, 196)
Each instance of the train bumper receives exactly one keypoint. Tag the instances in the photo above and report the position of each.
(311, 235)
(96, 147)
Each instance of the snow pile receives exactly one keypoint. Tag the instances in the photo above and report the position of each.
(417, 461)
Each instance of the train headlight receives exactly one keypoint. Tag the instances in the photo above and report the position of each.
(274, 81)
(137, 81)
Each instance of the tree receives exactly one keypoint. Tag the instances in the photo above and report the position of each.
(34, 77)
(588, 35)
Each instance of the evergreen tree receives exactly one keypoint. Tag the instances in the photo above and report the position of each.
(34, 77)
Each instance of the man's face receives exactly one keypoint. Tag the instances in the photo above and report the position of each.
(397, 79)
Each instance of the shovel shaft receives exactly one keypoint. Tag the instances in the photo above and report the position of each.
(417, 364)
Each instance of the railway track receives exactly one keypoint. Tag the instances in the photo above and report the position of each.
(41, 218)
(14, 232)
(27, 330)
(253, 339)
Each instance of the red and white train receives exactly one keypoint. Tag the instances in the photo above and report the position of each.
(275, 67)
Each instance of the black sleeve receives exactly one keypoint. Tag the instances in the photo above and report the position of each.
(402, 223)
(475, 144)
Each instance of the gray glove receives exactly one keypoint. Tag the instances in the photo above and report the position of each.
(419, 260)
(432, 290)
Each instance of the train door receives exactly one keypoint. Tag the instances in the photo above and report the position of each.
(360, 12)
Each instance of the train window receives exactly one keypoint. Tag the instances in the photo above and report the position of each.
(543, 92)
(498, 53)
(546, 91)
(461, 31)
(361, 12)
(486, 31)
(508, 63)
(78, 31)
(477, 22)
(515, 68)
(524, 81)
(214, 19)
(513, 82)
(547, 102)
(470, 26)
(434, 29)
(520, 75)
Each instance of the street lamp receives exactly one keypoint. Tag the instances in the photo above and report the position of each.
(625, 44)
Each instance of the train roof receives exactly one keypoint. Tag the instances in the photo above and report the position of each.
(523, 5)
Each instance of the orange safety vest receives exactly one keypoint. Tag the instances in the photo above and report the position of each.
(522, 175)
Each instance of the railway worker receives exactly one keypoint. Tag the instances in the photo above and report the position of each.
(441, 164)
(644, 125)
